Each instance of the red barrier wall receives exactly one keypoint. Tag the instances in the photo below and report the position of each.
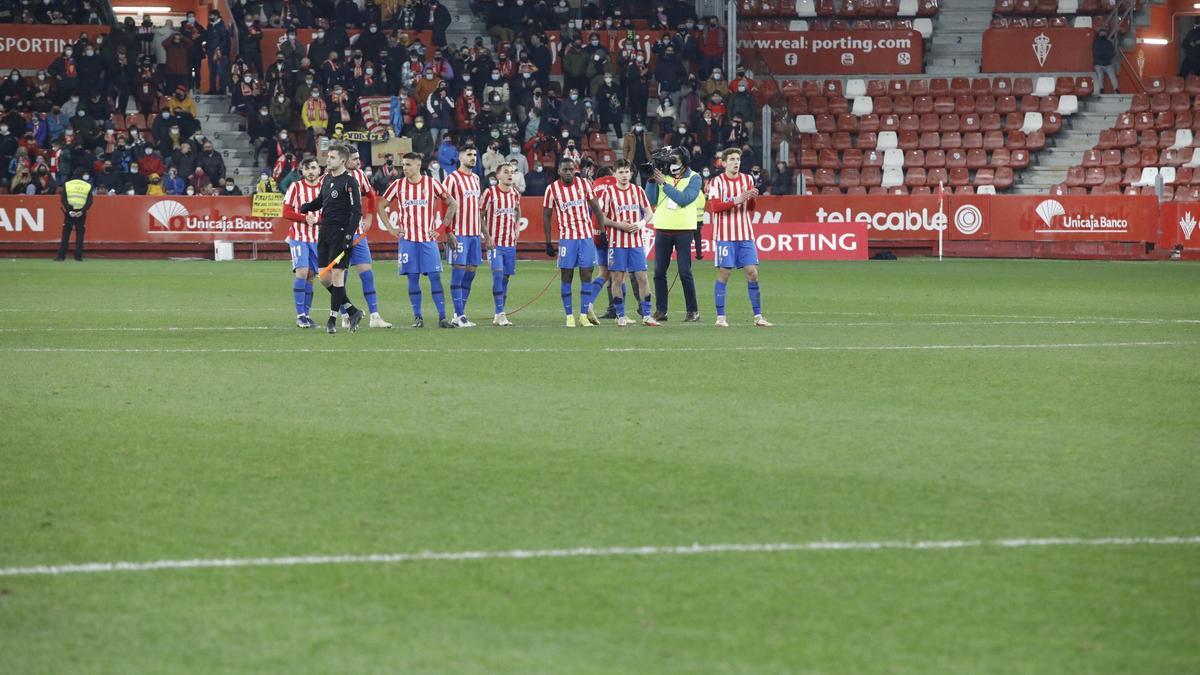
(34, 47)
(1037, 50)
(981, 223)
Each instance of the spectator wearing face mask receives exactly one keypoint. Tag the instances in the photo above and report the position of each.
(742, 104)
(306, 83)
(154, 185)
(174, 184)
(637, 145)
(178, 51)
(496, 91)
(91, 71)
(135, 182)
(182, 102)
(211, 161)
(315, 116)
(575, 67)
(65, 72)
(611, 105)
(784, 182)
(150, 163)
(280, 110)
(571, 113)
(670, 73)
(421, 136)
(217, 44)
(715, 84)
(711, 45)
(517, 158)
(230, 189)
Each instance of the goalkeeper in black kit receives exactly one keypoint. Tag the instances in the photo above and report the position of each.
(340, 205)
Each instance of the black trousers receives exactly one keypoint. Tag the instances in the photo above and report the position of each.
(69, 224)
(679, 241)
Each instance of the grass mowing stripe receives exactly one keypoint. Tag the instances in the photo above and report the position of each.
(579, 552)
(570, 350)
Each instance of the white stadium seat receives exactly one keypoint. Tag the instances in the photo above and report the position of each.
(855, 88)
(1033, 122)
(908, 7)
(985, 190)
(806, 124)
(893, 157)
(924, 26)
(1168, 174)
(1183, 139)
(892, 176)
(886, 140)
(1149, 173)
(1044, 86)
(798, 26)
(1068, 6)
(806, 8)
(1068, 104)
(863, 105)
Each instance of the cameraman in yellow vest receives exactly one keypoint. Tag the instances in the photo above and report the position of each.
(674, 191)
(76, 200)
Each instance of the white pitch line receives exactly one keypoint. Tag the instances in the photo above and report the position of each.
(571, 350)
(827, 324)
(583, 552)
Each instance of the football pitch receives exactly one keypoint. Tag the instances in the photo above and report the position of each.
(958, 467)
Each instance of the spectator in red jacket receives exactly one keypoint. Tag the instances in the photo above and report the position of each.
(712, 45)
(150, 162)
(466, 109)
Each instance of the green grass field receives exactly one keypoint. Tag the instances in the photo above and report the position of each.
(170, 411)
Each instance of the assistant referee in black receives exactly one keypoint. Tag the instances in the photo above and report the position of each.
(340, 205)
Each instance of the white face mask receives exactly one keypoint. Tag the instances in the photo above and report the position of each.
(370, 71)
(574, 97)
(676, 167)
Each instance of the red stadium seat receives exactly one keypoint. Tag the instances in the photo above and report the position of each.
(956, 159)
(1075, 176)
(973, 140)
(935, 177)
(914, 158)
(1003, 177)
(902, 105)
(977, 158)
(985, 104)
(852, 158)
(935, 159)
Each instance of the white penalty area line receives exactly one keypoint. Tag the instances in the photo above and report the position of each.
(585, 552)
(590, 350)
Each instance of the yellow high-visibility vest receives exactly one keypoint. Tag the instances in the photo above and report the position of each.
(77, 193)
(670, 216)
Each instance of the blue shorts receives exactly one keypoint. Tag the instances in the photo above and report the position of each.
(631, 259)
(361, 253)
(304, 254)
(469, 252)
(602, 256)
(574, 253)
(504, 259)
(419, 257)
(737, 254)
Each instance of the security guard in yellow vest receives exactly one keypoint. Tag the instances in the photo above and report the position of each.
(676, 197)
(76, 200)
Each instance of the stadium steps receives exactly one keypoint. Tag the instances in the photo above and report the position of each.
(1080, 134)
(223, 128)
(956, 47)
(464, 25)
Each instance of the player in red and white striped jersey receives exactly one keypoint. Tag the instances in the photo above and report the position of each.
(603, 180)
(730, 201)
(414, 198)
(500, 215)
(466, 246)
(360, 255)
(628, 209)
(570, 202)
(302, 238)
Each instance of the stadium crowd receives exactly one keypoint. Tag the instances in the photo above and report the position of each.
(496, 94)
